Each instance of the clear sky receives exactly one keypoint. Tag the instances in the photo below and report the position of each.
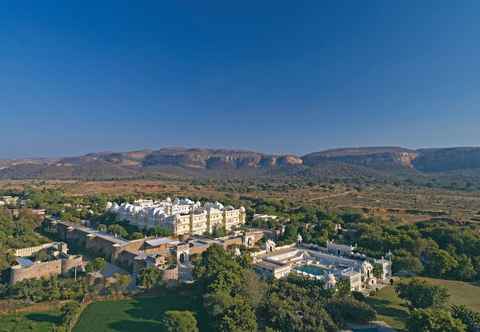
(274, 76)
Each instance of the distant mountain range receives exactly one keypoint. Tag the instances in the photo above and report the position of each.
(368, 162)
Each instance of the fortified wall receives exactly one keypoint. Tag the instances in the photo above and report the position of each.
(62, 266)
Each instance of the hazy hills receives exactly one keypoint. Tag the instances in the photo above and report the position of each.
(374, 163)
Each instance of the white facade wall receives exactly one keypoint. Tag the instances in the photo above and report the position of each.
(181, 216)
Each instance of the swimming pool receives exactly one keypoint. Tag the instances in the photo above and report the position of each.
(311, 269)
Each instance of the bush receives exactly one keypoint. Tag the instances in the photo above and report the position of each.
(421, 295)
(433, 320)
(350, 310)
(180, 321)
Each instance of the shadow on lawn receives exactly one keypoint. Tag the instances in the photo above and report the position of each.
(36, 317)
(136, 326)
(383, 308)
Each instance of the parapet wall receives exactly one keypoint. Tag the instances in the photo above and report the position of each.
(39, 270)
(68, 264)
(45, 269)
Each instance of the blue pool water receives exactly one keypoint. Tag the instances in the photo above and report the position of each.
(311, 269)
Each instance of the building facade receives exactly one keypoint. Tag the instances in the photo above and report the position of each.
(331, 264)
(180, 216)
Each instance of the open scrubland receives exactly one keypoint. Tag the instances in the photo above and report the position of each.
(408, 202)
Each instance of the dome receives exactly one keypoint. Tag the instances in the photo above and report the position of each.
(331, 278)
(331, 281)
(158, 211)
(366, 266)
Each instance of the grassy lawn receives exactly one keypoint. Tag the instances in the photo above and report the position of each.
(143, 314)
(392, 310)
(32, 322)
(460, 292)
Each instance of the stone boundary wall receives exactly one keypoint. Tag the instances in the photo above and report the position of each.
(45, 269)
(38, 270)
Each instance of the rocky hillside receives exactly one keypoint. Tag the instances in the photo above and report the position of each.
(444, 160)
(373, 163)
(378, 157)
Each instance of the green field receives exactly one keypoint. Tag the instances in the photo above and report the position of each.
(142, 314)
(460, 292)
(32, 322)
(390, 308)
(394, 312)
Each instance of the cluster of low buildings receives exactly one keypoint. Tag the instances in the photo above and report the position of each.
(330, 264)
(165, 253)
(181, 216)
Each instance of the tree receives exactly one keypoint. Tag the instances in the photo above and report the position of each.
(97, 264)
(253, 288)
(421, 295)
(405, 262)
(180, 321)
(439, 263)
(70, 312)
(150, 277)
(117, 230)
(228, 285)
(41, 255)
(239, 317)
(136, 236)
(470, 318)
(217, 269)
(122, 281)
(219, 232)
(343, 288)
(465, 269)
(102, 228)
(433, 320)
(290, 235)
(159, 231)
(216, 303)
(295, 305)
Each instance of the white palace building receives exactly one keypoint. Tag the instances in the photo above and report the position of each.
(331, 264)
(181, 216)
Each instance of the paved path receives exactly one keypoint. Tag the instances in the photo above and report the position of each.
(331, 195)
(380, 326)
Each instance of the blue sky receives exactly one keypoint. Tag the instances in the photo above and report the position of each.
(274, 76)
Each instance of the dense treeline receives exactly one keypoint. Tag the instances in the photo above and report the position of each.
(237, 300)
(436, 249)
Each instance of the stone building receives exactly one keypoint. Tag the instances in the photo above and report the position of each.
(58, 263)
